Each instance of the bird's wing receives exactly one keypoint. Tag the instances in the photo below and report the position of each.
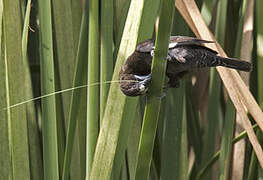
(179, 44)
(178, 55)
(189, 53)
(145, 46)
(148, 45)
(184, 41)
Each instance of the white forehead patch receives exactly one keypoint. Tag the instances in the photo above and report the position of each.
(152, 53)
(172, 44)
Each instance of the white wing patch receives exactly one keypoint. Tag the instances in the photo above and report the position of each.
(171, 45)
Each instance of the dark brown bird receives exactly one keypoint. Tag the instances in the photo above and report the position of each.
(184, 54)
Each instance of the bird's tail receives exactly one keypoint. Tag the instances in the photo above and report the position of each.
(235, 64)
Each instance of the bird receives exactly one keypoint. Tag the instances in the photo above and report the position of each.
(184, 54)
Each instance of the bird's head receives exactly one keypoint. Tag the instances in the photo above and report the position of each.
(132, 85)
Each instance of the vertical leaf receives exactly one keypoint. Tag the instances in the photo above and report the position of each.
(106, 60)
(49, 124)
(119, 23)
(226, 143)
(213, 117)
(259, 50)
(64, 60)
(214, 107)
(174, 148)
(93, 77)
(148, 18)
(152, 109)
(78, 105)
(259, 61)
(77, 8)
(114, 112)
(14, 77)
(133, 142)
(64, 47)
(5, 154)
(34, 138)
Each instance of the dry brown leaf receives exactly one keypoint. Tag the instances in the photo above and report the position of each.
(247, 38)
(238, 91)
(246, 48)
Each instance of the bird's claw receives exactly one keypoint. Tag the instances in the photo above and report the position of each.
(143, 78)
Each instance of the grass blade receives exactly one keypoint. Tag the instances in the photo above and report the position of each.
(14, 81)
(64, 67)
(174, 163)
(93, 77)
(133, 142)
(5, 154)
(113, 116)
(213, 117)
(119, 23)
(148, 18)
(78, 101)
(153, 100)
(226, 144)
(259, 50)
(106, 60)
(34, 138)
(77, 9)
(193, 129)
(49, 124)
(245, 53)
